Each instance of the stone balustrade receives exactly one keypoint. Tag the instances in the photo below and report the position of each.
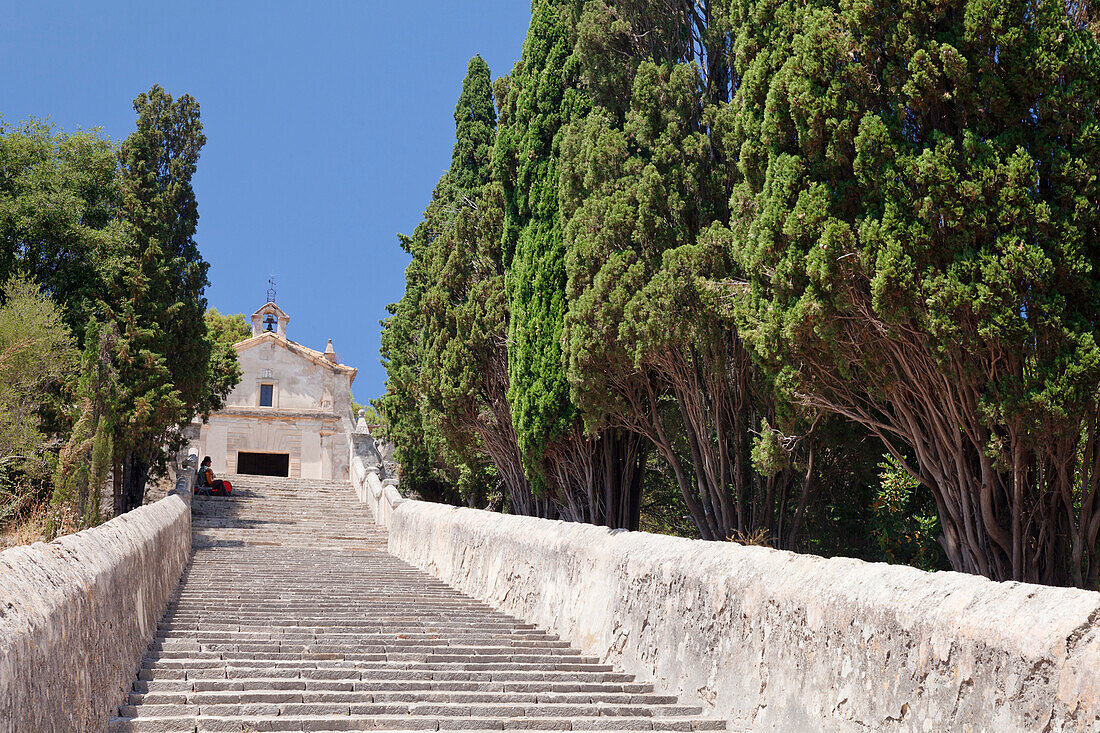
(774, 640)
(76, 614)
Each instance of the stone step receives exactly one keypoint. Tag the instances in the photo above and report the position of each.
(200, 724)
(356, 670)
(174, 648)
(540, 686)
(408, 696)
(293, 617)
(447, 709)
(425, 643)
(348, 675)
(382, 659)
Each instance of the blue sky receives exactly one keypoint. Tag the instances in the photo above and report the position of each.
(327, 124)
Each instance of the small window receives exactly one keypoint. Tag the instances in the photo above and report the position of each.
(267, 393)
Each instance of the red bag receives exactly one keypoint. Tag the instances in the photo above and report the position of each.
(228, 487)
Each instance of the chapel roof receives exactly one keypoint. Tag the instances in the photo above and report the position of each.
(318, 357)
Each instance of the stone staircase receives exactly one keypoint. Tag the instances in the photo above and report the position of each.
(293, 617)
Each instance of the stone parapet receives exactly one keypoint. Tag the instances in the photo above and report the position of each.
(76, 614)
(380, 495)
(774, 640)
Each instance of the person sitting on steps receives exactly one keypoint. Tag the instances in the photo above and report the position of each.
(207, 484)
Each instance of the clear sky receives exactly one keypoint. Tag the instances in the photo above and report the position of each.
(327, 124)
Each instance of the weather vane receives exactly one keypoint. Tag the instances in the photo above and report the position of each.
(271, 289)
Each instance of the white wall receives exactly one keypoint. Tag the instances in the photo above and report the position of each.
(299, 382)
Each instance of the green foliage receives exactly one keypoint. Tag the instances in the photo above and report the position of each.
(905, 527)
(223, 371)
(774, 241)
(227, 329)
(475, 129)
(36, 356)
(24, 487)
(81, 474)
(463, 309)
(768, 454)
(400, 405)
(541, 100)
(87, 456)
(920, 230)
(59, 202)
(59, 197)
(108, 233)
(372, 415)
(433, 376)
(662, 507)
(593, 471)
(154, 290)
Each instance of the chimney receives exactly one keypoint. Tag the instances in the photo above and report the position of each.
(330, 353)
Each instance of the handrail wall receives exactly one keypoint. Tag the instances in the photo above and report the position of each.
(773, 640)
(77, 614)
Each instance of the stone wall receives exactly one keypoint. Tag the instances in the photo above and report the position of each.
(775, 640)
(76, 614)
(380, 495)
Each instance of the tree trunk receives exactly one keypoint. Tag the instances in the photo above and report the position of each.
(116, 486)
(135, 474)
(599, 480)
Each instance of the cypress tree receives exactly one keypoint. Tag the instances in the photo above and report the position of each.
(475, 129)
(432, 444)
(595, 477)
(921, 235)
(540, 101)
(154, 291)
(417, 449)
(465, 373)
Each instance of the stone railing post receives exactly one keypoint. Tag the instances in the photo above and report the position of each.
(186, 477)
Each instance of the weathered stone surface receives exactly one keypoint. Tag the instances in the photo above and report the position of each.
(380, 496)
(76, 615)
(775, 640)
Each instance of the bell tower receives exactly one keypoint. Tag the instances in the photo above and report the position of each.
(270, 318)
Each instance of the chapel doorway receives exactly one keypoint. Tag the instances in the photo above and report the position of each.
(264, 464)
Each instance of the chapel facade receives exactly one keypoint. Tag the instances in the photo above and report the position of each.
(291, 413)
